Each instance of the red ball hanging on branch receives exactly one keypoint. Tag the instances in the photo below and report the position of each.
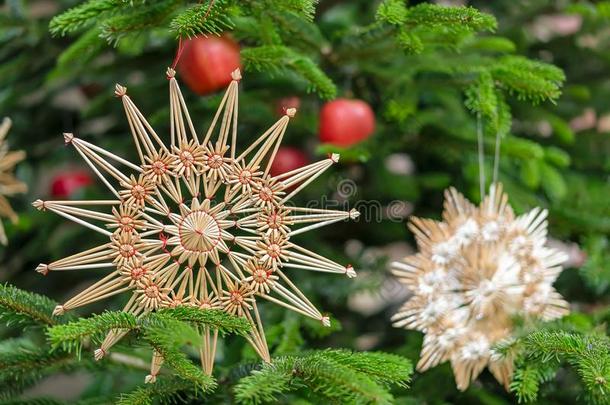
(64, 184)
(206, 63)
(346, 122)
(288, 158)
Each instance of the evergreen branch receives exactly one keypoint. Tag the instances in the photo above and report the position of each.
(527, 379)
(24, 308)
(71, 335)
(527, 79)
(297, 31)
(385, 368)
(140, 19)
(542, 352)
(332, 375)
(435, 16)
(274, 58)
(164, 334)
(196, 20)
(81, 15)
(393, 12)
(164, 391)
(305, 8)
(215, 319)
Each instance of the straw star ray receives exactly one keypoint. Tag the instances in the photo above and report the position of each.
(9, 185)
(194, 222)
(475, 270)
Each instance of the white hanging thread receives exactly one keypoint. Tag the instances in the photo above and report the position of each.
(481, 157)
(481, 153)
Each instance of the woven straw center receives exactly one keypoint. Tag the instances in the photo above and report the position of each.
(199, 232)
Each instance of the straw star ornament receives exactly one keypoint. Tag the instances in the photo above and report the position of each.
(194, 222)
(475, 270)
(9, 185)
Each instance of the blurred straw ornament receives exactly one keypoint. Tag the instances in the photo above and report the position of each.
(195, 222)
(9, 185)
(474, 271)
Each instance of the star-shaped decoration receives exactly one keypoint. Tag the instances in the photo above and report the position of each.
(195, 222)
(474, 272)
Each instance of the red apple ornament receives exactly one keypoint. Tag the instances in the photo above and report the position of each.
(64, 184)
(287, 159)
(345, 122)
(206, 63)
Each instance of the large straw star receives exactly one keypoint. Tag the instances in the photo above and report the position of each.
(194, 222)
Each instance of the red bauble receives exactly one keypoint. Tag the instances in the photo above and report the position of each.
(66, 183)
(345, 122)
(285, 103)
(206, 63)
(288, 159)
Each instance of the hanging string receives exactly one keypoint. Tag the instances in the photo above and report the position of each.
(180, 48)
(481, 157)
(496, 158)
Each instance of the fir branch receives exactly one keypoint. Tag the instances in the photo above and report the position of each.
(527, 79)
(164, 391)
(137, 20)
(304, 8)
(71, 335)
(409, 42)
(18, 307)
(297, 31)
(83, 14)
(200, 19)
(466, 18)
(392, 12)
(385, 368)
(274, 58)
(165, 334)
(542, 352)
(331, 375)
(213, 318)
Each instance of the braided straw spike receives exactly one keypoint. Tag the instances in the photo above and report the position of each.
(9, 185)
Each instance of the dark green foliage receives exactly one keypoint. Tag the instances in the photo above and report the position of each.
(191, 22)
(540, 354)
(332, 376)
(279, 58)
(166, 390)
(71, 335)
(18, 307)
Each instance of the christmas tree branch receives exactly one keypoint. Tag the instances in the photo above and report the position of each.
(540, 353)
(213, 318)
(83, 14)
(165, 390)
(71, 335)
(203, 19)
(24, 308)
(276, 58)
(334, 376)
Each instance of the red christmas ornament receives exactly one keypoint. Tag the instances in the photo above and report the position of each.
(287, 159)
(206, 63)
(345, 122)
(66, 183)
(287, 102)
